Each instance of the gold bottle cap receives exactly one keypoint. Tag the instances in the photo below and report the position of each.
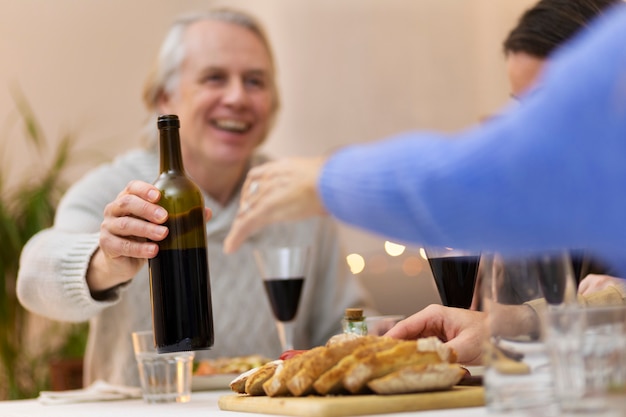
(354, 313)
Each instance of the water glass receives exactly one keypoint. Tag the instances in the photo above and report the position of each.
(516, 293)
(165, 377)
(588, 350)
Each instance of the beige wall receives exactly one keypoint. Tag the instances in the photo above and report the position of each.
(350, 70)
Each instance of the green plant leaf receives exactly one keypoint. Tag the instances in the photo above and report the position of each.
(25, 210)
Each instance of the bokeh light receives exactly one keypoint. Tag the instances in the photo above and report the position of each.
(394, 249)
(355, 262)
(412, 266)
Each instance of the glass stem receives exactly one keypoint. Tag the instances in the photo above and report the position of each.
(285, 333)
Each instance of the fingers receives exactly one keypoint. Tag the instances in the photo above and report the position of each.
(121, 237)
(252, 216)
(238, 234)
(416, 326)
(131, 221)
(138, 199)
(462, 330)
(468, 346)
(593, 283)
(284, 190)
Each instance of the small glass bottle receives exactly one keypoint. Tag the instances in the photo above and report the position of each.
(354, 322)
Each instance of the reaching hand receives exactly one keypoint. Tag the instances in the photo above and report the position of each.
(461, 329)
(282, 190)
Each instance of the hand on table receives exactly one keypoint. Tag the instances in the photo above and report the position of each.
(461, 329)
(282, 190)
(594, 283)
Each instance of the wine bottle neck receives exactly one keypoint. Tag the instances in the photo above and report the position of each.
(170, 153)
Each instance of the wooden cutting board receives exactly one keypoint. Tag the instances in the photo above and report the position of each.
(355, 405)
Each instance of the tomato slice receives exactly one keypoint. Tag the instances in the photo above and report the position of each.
(291, 353)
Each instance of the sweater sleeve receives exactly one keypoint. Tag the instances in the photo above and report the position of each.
(545, 175)
(52, 276)
(53, 265)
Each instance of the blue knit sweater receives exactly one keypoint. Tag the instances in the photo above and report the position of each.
(548, 174)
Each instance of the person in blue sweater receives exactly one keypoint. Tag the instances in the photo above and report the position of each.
(532, 178)
(539, 32)
(549, 174)
(545, 175)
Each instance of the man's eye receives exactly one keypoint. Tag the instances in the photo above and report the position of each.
(256, 82)
(213, 78)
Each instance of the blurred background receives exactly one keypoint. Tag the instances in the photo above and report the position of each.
(349, 71)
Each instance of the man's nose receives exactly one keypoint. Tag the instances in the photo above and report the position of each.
(235, 93)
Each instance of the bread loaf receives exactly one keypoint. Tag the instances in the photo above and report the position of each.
(355, 365)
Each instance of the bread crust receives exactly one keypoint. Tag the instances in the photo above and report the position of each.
(418, 378)
(381, 363)
(302, 382)
(248, 381)
(331, 381)
(277, 384)
(254, 382)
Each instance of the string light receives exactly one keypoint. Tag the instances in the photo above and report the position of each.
(356, 263)
(394, 249)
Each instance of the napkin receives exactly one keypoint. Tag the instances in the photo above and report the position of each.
(98, 391)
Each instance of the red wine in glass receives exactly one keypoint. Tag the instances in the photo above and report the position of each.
(455, 277)
(284, 296)
(283, 270)
(455, 274)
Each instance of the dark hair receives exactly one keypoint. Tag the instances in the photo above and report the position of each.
(549, 23)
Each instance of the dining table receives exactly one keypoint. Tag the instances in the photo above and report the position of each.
(202, 404)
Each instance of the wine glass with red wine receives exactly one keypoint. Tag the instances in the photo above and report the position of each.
(283, 270)
(455, 273)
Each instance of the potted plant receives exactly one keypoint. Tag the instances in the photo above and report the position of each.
(25, 209)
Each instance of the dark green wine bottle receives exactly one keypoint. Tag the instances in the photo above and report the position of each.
(180, 289)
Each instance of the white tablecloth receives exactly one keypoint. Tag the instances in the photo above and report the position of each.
(202, 404)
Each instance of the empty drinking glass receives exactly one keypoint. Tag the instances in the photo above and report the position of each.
(165, 377)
